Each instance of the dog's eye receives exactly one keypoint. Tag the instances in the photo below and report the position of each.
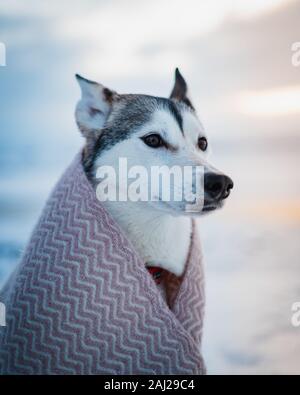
(202, 143)
(153, 140)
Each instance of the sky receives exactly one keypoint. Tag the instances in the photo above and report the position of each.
(235, 55)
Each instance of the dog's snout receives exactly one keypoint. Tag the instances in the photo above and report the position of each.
(228, 186)
(218, 186)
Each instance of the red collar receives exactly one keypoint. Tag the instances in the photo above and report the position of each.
(156, 272)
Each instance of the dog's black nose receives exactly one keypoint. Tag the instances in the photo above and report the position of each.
(218, 186)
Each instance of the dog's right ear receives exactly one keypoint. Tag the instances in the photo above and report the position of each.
(180, 90)
(93, 108)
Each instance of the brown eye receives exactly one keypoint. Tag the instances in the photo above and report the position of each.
(153, 140)
(202, 143)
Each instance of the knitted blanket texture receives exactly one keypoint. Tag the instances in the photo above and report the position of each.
(81, 301)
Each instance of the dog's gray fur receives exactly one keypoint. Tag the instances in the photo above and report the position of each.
(129, 112)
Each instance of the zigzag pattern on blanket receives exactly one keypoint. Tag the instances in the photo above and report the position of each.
(82, 302)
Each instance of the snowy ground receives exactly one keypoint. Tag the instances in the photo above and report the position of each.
(252, 282)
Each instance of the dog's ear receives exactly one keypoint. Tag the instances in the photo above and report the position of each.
(93, 108)
(180, 90)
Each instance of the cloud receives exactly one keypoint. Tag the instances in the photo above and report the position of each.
(274, 102)
(223, 48)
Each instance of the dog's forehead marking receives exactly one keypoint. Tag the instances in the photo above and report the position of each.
(143, 114)
(164, 123)
(130, 114)
(192, 126)
(167, 114)
(178, 134)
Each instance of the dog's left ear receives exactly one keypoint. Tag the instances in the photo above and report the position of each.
(94, 107)
(180, 90)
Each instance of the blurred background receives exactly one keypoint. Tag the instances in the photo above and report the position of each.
(237, 59)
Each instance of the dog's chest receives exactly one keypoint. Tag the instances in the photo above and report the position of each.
(161, 240)
(166, 245)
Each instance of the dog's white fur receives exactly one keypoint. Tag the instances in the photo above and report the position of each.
(159, 231)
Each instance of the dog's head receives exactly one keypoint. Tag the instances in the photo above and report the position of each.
(149, 131)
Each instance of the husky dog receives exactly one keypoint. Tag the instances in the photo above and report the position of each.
(149, 131)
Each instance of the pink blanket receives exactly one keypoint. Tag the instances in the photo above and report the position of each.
(82, 302)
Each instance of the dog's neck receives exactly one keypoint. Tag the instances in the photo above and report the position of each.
(155, 236)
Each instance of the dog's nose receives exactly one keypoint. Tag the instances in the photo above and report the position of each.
(217, 185)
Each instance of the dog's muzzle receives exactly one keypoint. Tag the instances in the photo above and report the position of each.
(217, 187)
